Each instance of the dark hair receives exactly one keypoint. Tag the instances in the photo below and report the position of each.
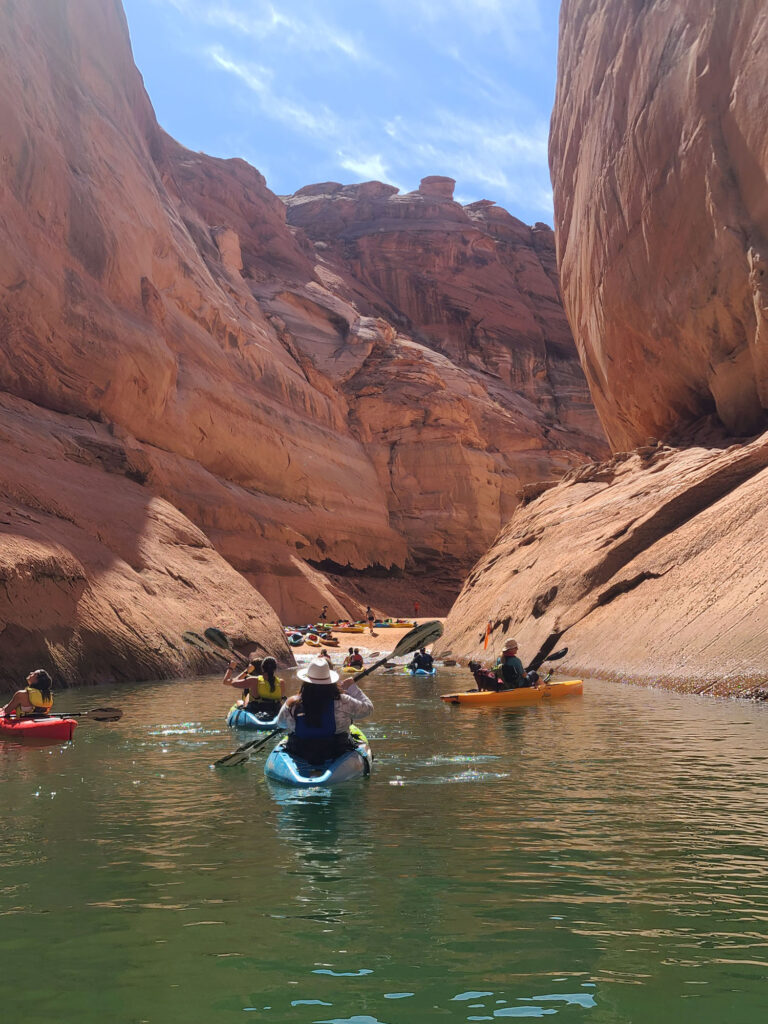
(314, 699)
(351, 650)
(268, 667)
(43, 682)
(256, 664)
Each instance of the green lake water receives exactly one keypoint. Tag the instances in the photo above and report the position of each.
(601, 859)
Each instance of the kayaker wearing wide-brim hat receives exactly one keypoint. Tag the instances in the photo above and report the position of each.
(318, 718)
(513, 675)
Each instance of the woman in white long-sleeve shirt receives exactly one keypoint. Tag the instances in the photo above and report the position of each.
(318, 718)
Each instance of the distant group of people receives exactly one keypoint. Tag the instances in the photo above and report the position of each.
(354, 659)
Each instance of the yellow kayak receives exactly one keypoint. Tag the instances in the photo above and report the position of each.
(348, 629)
(512, 698)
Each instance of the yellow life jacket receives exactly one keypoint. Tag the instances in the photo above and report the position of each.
(262, 689)
(37, 701)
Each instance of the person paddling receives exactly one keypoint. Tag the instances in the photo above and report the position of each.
(356, 658)
(318, 718)
(513, 675)
(421, 660)
(35, 699)
(264, 689)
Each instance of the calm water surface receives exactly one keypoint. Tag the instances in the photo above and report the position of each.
(602, 859)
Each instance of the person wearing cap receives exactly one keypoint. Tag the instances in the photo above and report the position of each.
(317, 719)
(509, 666)
(422, 661)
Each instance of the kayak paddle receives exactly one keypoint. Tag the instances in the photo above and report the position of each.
(421, 636)
(244, 752)
(195, 640)
(544, 655)
(218, 639)
(97, 714)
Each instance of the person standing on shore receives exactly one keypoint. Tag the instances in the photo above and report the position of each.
(415, 609)
(371, 619)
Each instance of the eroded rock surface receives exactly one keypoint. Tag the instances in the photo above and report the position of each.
(308, 406)
(659, 158)
(652, 567)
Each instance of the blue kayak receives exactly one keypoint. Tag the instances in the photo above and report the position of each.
(420, 672)
(294, 771)
(238, 718)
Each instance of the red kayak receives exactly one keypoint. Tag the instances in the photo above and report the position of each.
(52, 727)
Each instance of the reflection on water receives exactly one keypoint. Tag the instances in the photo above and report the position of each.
(596, 859)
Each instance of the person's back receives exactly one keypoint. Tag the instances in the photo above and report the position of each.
(356, 661)
(265, 691)
(319, 717)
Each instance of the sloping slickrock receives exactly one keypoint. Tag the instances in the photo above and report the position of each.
(309, 422)
(100, 576)
(659, 158)
(652, 567)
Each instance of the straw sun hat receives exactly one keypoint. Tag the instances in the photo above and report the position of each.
(319, 672)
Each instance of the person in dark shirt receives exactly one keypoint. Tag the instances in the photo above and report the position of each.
(421, 660)
(511, 670)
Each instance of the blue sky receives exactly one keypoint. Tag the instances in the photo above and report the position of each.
(354, 90)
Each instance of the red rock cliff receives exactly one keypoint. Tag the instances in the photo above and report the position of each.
(659, 160)
(201, 401)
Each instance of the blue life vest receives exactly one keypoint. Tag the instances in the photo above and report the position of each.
(327, 726)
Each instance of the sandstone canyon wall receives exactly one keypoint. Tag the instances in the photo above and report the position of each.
(205, 405)
(659, 160)
(653, 566)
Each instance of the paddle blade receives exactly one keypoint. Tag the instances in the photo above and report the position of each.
(244, 752)
(557, 655)
(236, 757)
(423, 635)
(215, 636)
(104, 714)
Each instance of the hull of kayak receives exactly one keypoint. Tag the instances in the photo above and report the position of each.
(291, 771)
(350, 670)
(238, 718)
(514, 698)
(420, 672)
(52, 729)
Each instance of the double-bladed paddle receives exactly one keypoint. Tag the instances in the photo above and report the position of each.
(218, 639)
(421, 636)
(244, 752)
(97, 714)
(195, 640)
(542, 657)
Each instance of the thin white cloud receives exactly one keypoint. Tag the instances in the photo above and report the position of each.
(372, 167)
(301, 31)
(321, 122)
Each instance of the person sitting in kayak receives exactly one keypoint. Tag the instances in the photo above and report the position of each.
(421, 660)
(263, 693)
(318, 718)
(348, 659)
(510, 668)
(356, 661)
(35, 699)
